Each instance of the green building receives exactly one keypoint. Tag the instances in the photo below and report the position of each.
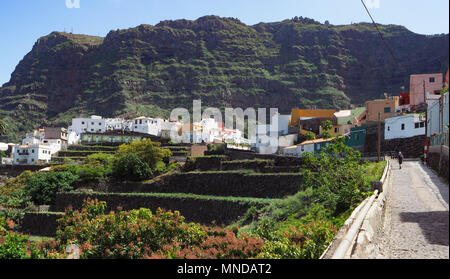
(356, 138)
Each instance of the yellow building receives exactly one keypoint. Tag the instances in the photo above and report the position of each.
(297, 113)
(385, 107)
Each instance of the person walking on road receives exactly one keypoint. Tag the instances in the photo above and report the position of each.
(400, 159)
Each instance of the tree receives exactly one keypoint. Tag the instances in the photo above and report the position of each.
(130, 167)
(326, 125)
(43, 186)
(147, 151)
(310, 135)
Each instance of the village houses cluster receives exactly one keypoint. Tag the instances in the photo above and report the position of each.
(422, 110)
(40, 145)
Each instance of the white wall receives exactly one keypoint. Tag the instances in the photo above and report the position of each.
(299, 150)
(35, 153)
(95, 124)
(393, 126)
(434, 121)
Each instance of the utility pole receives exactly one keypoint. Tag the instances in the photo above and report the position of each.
(426, 111)
(379, 136)
(441, 120)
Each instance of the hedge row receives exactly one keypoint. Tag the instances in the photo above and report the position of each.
(205, 210)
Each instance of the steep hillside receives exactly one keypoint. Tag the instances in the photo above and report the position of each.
(152, 69)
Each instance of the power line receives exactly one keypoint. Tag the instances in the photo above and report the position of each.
(381, 35)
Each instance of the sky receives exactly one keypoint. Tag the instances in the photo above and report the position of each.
(22, 22)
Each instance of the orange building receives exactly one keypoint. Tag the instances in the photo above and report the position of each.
(385, 107)
(297, 113)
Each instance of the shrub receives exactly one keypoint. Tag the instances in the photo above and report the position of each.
(142, 234)
(13, 245)
(147, 151)
(99, 159)
(17, 246)
(130, 167)
(16, 183)
(43, 186)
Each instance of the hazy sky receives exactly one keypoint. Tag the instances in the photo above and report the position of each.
(22, 22)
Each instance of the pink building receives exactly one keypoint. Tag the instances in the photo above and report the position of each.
(433, 85)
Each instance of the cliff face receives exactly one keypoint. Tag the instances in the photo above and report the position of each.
(152, 69)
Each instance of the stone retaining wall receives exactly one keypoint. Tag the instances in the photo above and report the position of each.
(201, 210)
(40, 224)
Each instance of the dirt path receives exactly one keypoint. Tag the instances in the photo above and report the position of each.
(416, 216)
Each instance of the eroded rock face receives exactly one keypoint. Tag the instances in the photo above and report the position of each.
(152, 69)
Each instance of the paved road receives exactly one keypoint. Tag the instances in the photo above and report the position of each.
(416, 217)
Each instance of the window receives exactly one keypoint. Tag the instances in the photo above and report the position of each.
(431, 79)
(92, 123)
(32, 150)
(303, 148)
(389, 128)
(422, 124)
(336, 130)
(387, 110)
(416, 125)
(357, 136)
(92, 130)
(82, 123)
(403, 126)
(100, 124)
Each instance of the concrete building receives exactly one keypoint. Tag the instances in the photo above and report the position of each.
(421, 84)
(384, 107)
(438, 115)
(404, 126)
(115, 124)
(356, 139)
(298, 114)
(311, 146)
(31, 154)
(94, 124)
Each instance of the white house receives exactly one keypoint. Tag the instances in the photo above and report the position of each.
(94, 124)
(299, 149)
(31, 154)
(404, 126)
(436, 109)
(147, 125)
(115, 124)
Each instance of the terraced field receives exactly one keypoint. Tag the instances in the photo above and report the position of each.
(209, 189)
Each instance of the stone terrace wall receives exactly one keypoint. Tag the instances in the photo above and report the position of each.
(433, 157)
(232, 184)
(42, 224)
(18, 169)
(203, 211)
(412, 147)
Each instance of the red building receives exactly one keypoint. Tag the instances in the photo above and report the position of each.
(404, 99)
